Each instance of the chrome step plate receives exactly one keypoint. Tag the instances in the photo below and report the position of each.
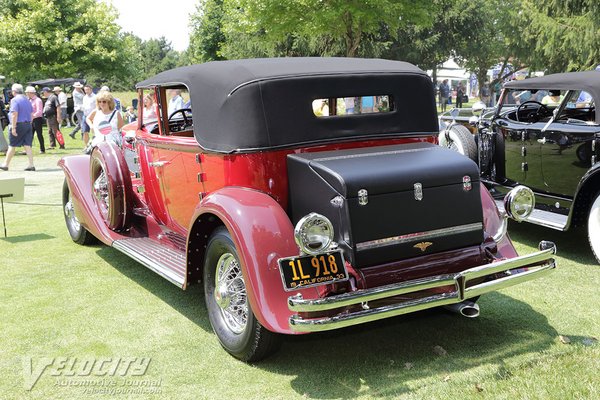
(543, 218)
(164, 260)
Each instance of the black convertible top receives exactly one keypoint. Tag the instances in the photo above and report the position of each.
(584, 80)
(247, 105)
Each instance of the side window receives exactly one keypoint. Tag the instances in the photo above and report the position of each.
(580, 99)
(149, 110)
(179, 111)
(580, 109)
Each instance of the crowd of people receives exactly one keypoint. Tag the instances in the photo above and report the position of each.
(98, 114)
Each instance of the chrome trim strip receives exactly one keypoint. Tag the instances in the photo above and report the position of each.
(543, 263)
(299, 324)
(347, 299)
(411, 237)
(375, 154)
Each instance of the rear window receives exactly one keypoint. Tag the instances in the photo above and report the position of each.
(352, 105)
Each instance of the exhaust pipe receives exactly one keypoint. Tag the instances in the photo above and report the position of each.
(466, 309)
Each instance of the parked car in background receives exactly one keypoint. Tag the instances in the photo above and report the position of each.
(545, 134)
(459, 128)
(298, 211)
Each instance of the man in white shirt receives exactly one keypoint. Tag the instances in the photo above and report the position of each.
(62, 99)
(77, 106)
(88, 105)
(176, 102)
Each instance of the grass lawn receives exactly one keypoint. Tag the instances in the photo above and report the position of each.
(59, 299)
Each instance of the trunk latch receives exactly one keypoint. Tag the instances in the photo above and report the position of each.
(363, 197)
(418, 191)
(467, 183)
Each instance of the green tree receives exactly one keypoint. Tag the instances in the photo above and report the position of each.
(326, 27)
(42, 38)
(207, 35)
(564, 34)
(157, 55)
(488, 37)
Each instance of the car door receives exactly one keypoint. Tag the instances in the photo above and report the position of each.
(567, 154)
(178, 174)
(522, 155)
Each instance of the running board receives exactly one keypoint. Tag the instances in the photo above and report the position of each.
(543, 218)
(165, 261)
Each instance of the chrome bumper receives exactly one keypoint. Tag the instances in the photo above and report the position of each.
(461, 292)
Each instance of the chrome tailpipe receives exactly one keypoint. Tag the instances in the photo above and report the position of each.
(466, 309)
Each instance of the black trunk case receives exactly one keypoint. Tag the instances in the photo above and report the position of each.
(390, 226)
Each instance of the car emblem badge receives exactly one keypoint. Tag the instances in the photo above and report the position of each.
(422, 246)
(467, 183)
(363, 197)
(418, 191)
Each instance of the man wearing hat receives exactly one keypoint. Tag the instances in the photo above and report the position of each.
(62, 99)
(77, 106)
(53, 114)
(36, 115)
(20, 131)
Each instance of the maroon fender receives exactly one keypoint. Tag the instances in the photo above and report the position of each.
(262, 233)
(492, 222)
(108, 157)
(77, 174)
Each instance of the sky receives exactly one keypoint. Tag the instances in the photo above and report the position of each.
(155, 18)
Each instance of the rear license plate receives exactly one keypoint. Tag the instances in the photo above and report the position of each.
(306, 271)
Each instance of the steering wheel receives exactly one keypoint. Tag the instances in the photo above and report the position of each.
(537, 112)
(183, 112)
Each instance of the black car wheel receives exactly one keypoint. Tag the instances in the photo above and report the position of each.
(77, 232)
(593, 227)
(229, 310)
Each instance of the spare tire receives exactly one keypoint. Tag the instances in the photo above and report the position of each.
(459, 139)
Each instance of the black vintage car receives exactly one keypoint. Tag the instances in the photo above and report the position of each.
(545, 134)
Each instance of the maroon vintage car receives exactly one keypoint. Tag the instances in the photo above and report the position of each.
(307, 194)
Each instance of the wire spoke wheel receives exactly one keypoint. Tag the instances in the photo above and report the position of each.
(230, 293)
(227, 303)
(70, 214)
(101, 193)
(77, 232)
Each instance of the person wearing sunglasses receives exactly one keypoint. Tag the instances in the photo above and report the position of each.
(106, 121)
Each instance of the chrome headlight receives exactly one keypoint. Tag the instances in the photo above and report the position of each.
(519, 203)
(313, 233)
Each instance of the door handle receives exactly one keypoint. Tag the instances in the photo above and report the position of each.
(158, 163)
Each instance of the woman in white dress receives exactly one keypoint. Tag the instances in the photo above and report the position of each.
(105, 120)
(149, 113)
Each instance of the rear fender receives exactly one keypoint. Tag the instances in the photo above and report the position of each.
(77, 174)
(262, 233)
(492, 223)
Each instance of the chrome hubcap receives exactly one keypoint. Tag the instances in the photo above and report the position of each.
(70, 213)
(230, 293)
